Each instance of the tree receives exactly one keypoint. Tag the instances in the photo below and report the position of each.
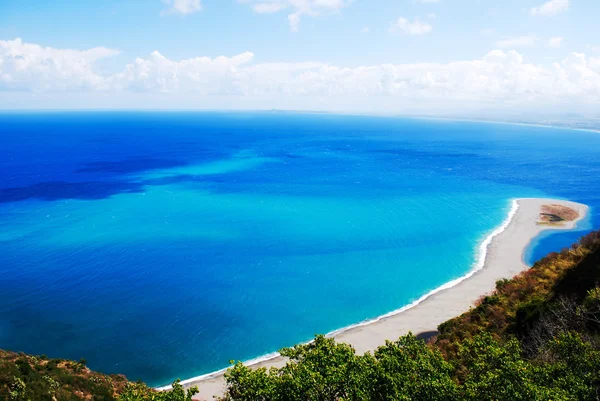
(572, 366)
(17, 390)
(244, 383)
(321, 370)
(497, 372)
(408, 369)
(140, 392)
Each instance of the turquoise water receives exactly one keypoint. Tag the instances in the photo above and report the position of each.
(164, 245)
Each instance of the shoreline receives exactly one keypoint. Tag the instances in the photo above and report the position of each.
(500, 255)
(518, 123)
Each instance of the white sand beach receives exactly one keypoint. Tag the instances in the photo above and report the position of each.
(501, 256)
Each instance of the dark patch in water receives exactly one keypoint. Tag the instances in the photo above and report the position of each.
(128, 166)
(55, 330)
(56, 190)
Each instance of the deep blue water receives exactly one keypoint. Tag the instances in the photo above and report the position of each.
(163, 245)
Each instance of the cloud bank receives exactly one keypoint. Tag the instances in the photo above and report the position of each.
(25, 66)
(500, 77)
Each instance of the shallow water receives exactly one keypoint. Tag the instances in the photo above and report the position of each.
(162, 245)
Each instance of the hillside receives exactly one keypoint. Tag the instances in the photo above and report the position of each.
(30, 378)
(25, 377)
(537, 337)
(558, 294)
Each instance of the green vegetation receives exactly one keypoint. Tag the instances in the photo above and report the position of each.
(24, 377)
(140, 392)
(537, 337)
(30, 378)
(409, 369)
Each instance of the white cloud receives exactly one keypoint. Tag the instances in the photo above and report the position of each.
(515, 42)
(555, 42)
(416, 27)
(182, 7)
(25, 66)
(202, 75)
(267, 8)
(365, 29)
(551, 7)
(499, 78)
(294, 20)
(296, 8)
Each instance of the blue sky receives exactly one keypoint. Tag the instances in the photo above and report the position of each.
(408, 51)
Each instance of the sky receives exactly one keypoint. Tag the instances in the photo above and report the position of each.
(375, 56)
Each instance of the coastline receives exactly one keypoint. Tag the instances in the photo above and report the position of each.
(434, 118)
(500, 255)
(518, 123)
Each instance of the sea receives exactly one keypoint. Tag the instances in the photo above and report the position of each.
(164, 245)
